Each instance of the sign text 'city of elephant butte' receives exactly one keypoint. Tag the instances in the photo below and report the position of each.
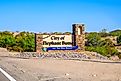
(57, 40)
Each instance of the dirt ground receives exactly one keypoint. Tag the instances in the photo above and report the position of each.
(60, 70)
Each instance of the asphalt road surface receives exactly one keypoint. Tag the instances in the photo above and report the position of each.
(3, 78)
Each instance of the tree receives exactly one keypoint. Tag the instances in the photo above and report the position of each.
(103, 33)
(67, 33)
(57, 33)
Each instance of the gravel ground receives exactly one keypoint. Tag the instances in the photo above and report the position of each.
(59, 55)
(49, 69)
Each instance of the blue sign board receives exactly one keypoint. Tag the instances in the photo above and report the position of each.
(63, 48)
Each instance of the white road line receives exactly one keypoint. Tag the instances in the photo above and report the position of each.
(7, 75)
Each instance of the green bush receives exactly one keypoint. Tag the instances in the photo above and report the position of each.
(115, 33)
(104, 47)
(24, 41)
(105, 51)
(119, 55)
(119, 39)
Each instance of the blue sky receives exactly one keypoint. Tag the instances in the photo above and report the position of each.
(59, 15)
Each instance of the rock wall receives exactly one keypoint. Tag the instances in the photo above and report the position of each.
(61, 55)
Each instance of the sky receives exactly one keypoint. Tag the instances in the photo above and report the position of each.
(59, 15)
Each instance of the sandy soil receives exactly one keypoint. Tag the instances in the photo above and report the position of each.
(60, 70)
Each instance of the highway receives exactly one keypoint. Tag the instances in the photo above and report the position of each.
(3, 78)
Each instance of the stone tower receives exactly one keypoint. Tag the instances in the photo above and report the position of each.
(79, 36)
(38, 43)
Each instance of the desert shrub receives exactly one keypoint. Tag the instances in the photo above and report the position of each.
(119, 39)
(104, 50)
(24, 41)
(119, 55)
(104, 47)
(115, 33)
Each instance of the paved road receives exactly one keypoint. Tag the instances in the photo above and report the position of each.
(2, 77)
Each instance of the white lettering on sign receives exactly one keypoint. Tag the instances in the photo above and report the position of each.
(57, 40)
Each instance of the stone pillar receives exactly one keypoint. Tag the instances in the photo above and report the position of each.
(38, 43)
(79, 36)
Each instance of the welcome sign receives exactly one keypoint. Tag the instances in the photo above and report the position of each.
(57, 40)
(52, 41)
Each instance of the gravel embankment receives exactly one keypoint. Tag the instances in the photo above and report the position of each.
(60, 55)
